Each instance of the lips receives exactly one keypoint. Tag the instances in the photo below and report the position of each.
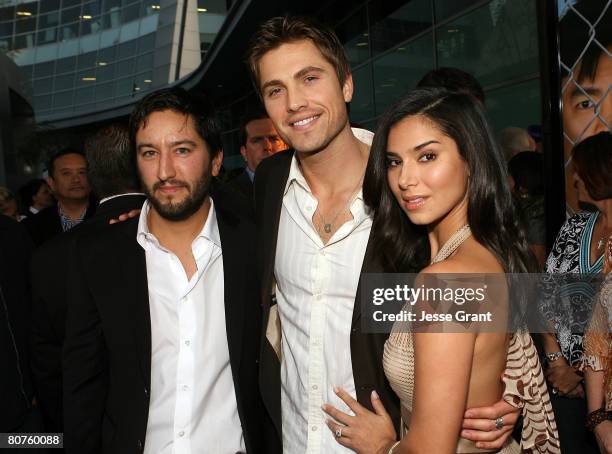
(414, 202)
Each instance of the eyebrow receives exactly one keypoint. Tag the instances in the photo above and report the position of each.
(576, 92)
(417, 148)
(301, 73)
(172, 144)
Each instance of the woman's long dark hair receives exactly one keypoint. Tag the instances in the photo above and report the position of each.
(492, 214)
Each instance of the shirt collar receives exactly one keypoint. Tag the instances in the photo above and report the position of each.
(295, 173)
(250, 173)
(209, 232)
(106, 199)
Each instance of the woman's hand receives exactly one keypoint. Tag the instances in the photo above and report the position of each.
(603, 433)
(563, 377)
(366, 432)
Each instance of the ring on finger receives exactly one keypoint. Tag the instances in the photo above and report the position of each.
(499, 423)
(338, 433)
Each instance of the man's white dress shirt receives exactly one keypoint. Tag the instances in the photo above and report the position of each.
(192, 405)
(316, 286)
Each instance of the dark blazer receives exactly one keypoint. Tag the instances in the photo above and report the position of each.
(243, 184)
(15, 383)
(107, 351)
(366, 349)
(48, 274)
(46, 224)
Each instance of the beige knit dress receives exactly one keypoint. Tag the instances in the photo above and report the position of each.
(525, 387)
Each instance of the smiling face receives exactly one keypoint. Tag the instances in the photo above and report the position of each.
(174, 164)
(303, 96)
(425, 171)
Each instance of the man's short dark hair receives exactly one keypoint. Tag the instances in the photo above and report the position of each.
(453, 79)
(289, 29)
(575, 34)
(111, 169)
(179, 100)
(254, 114)
(59, 154)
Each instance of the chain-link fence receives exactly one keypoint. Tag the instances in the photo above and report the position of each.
(585, 58)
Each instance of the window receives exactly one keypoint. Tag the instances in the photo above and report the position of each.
(494, 44)
(399, 71)
(394, 21)
(362, 104)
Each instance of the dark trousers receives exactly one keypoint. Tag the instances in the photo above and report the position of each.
(570, 415)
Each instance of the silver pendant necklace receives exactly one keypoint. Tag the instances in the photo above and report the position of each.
(327, 226)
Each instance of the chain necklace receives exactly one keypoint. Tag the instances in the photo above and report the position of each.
(327, 226)
(452, 243)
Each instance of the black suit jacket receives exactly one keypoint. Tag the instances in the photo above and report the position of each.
(47, 224)
(243, 184)
(366, 349)
(15, 383)
(48, 274)
(107, 351)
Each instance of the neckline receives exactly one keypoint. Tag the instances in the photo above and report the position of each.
(585, 248)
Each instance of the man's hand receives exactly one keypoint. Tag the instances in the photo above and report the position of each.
(125, 216)
(603, 434)
(563, 377)
(479, 424)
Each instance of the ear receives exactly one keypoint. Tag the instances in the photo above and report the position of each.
(243, 152)
(347, 88)
(216, 163)
(51, 183)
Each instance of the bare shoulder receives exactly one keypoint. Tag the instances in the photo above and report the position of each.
(471, 257)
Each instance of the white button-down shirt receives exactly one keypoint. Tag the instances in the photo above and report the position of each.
(192, 406)
(316, 288)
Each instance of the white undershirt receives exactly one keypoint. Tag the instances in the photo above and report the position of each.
(316, 288)
(193, 405)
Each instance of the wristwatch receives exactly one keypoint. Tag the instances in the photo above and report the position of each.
(552, 357)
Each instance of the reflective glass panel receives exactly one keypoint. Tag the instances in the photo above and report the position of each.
(71, 15)
(48, 20)
(40, 86)
(42, 102)
(362, 104)
(494, 44)
(394, 21)
(62, 99)
(399, 71)
(353, 34)
(44, 69)
(64, 82)
(65, 65)
(518, 105)
(25, 25)
(448, 8)
(49, 5)
(7, 13)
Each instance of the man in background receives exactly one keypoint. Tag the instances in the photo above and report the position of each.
(70, 186)
(258, 140)
(112, 176)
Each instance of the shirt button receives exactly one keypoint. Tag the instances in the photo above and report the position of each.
(181, 433)
(185, 387)
(314, 428)
(187, 343)
(308, 208)
(315, 387)
(319, 297)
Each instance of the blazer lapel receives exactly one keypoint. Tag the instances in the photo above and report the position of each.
(132, 279)
(233, 265)
(371, 264)
(268, 226)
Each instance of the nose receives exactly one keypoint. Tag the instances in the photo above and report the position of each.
(407, 177)
(295, 99)
(268, 147)
(166, 169)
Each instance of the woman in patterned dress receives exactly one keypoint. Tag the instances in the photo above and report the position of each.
(578, 249)
(437, 185)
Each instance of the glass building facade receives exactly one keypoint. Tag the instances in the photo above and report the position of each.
(87, 56)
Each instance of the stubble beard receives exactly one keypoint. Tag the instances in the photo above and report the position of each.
(187, 207)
